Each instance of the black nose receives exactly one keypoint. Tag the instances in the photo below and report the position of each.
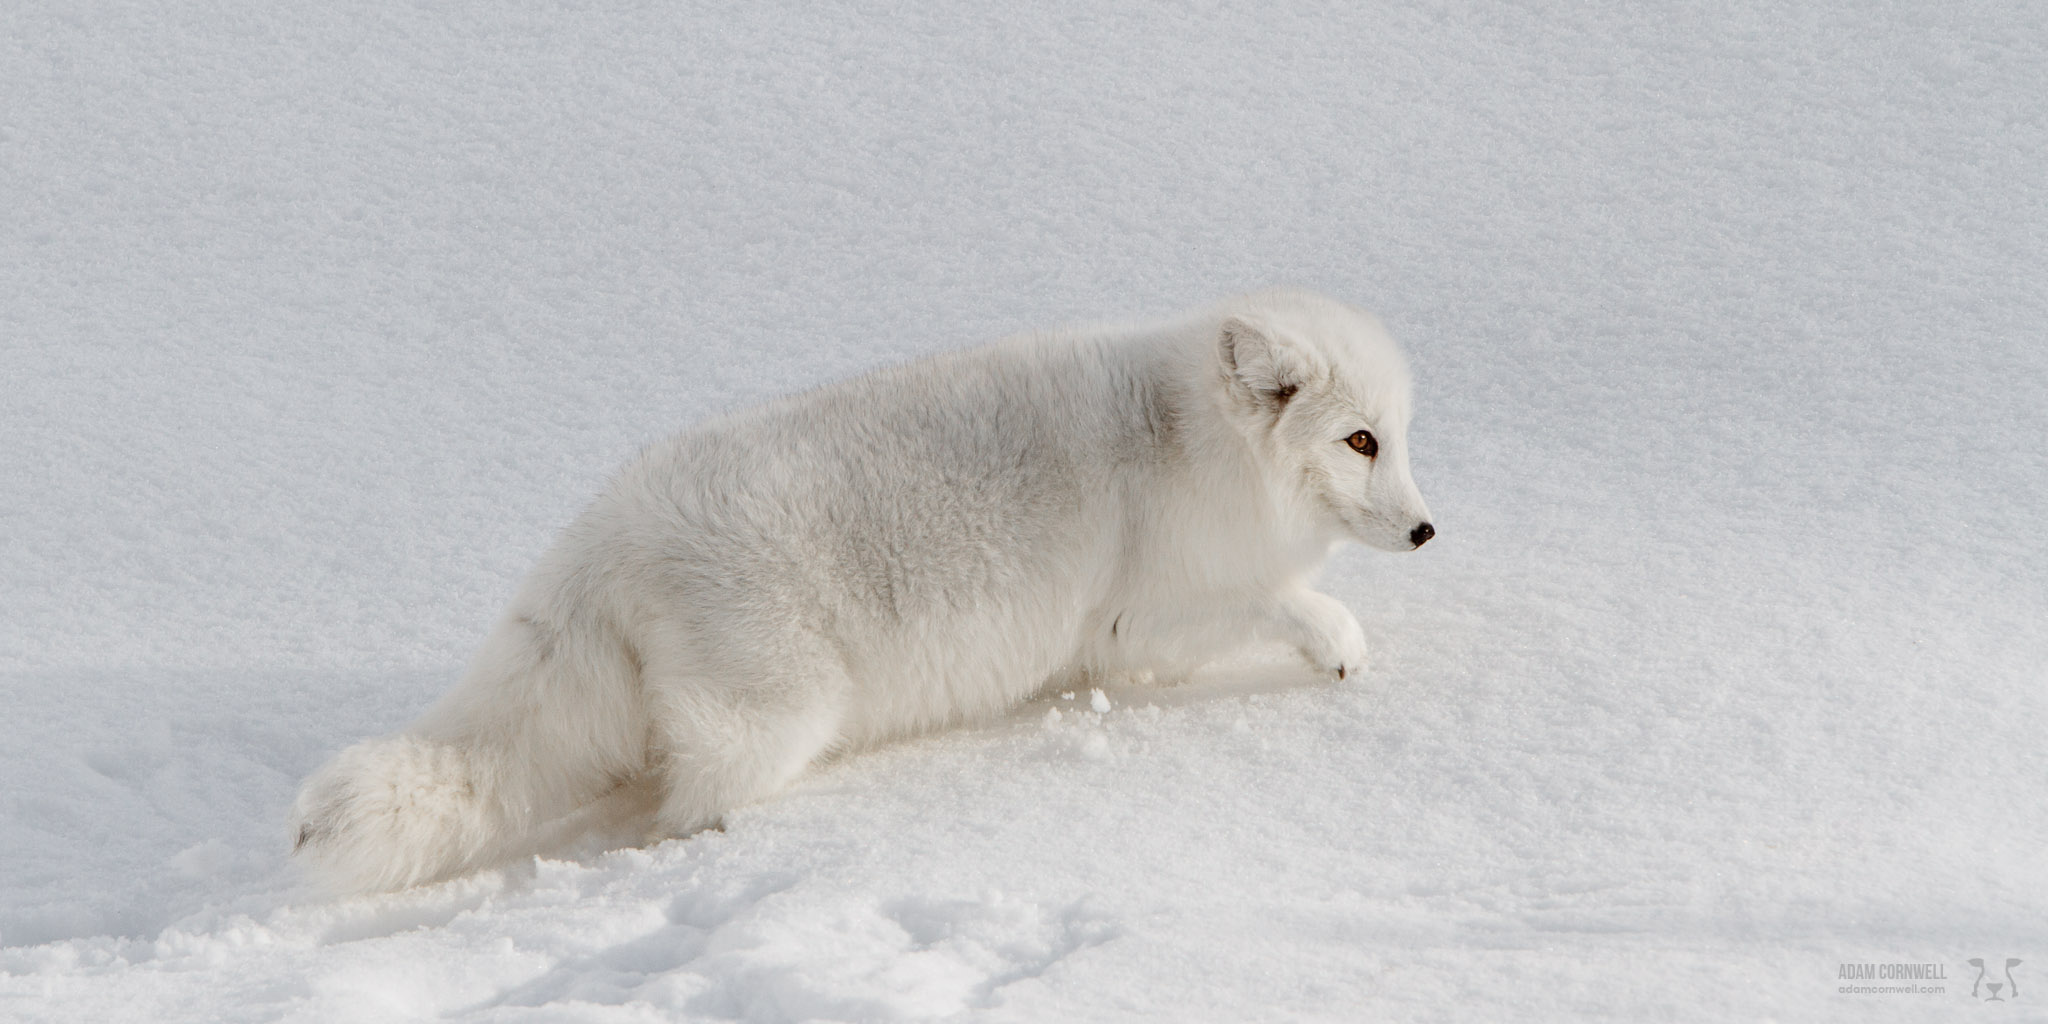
(1421, 534)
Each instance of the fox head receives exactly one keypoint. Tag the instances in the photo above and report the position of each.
(1322, 394)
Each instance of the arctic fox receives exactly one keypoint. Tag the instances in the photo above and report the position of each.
(924, 545)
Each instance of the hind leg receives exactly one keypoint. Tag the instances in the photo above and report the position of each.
(722, 740)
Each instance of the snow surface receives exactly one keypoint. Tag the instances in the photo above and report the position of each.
(1727, 666)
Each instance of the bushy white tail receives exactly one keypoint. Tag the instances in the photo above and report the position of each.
(393, 812)
(546, 720)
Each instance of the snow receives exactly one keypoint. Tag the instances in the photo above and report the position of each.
(1725, 669)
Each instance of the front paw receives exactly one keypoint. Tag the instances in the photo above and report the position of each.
(1331, 638)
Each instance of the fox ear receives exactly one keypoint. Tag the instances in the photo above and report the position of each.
(1258, 363)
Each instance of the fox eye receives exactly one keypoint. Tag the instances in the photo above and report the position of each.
(1364, 444)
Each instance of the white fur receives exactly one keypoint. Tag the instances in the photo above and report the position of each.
(920, 546)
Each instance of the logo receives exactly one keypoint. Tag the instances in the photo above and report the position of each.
(1989, 981)
(1891, 979)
